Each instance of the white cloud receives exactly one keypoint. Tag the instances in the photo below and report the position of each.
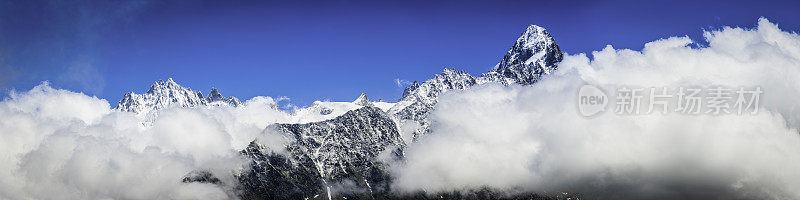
(56, 144)
(533, 138)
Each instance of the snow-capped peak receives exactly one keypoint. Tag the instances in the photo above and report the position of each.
(163, 85)
(362, 100)
(163, 94)
(214, 94)
(534, 34)
(215, 98)
(534, 53)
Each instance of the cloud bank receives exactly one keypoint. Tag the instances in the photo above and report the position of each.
(534, 139)
(57, 144)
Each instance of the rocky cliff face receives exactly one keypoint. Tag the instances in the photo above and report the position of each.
(333, 153)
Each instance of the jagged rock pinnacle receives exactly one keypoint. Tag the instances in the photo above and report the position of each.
(534, 53)
(362, 100)
(214, 94)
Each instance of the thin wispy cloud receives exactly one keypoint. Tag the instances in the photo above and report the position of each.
(401, 83)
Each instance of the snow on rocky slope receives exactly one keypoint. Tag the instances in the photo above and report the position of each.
(338, 144)
(166, 94)
(532, 56)
(325, 110)
(330, 153)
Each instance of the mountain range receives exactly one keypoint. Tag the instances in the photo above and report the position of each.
(346, 144)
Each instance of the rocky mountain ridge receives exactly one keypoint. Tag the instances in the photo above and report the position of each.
(166, 94)
(532, 56)
(339, 151)
(339, 144)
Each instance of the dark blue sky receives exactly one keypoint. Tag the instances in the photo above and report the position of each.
(309, 50)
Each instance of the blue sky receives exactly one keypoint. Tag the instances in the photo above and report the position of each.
(317, 50)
